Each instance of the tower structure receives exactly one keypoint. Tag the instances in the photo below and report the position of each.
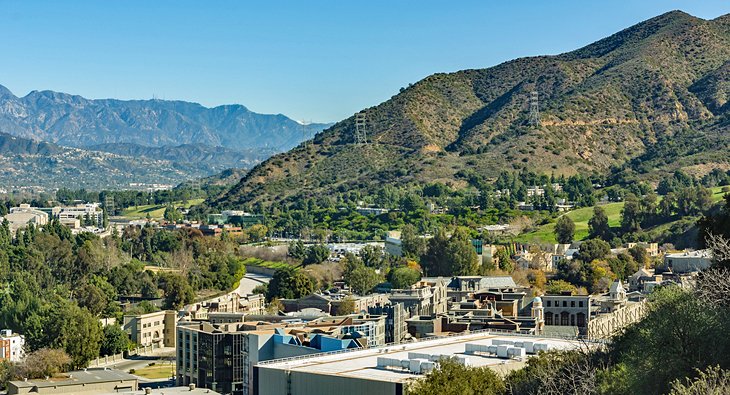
(361, 125)
(534, 109)
(109, 204)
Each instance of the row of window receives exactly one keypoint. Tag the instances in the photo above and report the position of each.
(565, 303)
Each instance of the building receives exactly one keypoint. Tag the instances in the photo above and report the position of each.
(388, 370)
(688, 261)
(236, 217)
(330, 303)
(426, 297)
(595, 316)
(82, 212)
(221, 357)
(19, 217)
(228, 303)
(87, 381)
(395, 321)
(11, 346)
(460, 287)
(153, 328)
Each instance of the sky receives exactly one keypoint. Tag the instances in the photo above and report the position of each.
(314, 61)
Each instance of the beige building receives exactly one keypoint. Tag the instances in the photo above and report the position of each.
(152, 329)
(19, 217)
(426, 297)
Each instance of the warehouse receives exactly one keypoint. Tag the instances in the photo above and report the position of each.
(387, 369)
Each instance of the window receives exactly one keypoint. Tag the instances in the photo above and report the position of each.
(547, 303)
(580, 303)
(572, 303)
(565, 303)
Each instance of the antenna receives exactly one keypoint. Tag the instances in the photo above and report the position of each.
(534, 110)
(361, 124)
(109, 204)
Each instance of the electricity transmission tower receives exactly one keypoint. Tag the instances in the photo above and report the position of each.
(109, 205)
(361, 125)
(534, 109)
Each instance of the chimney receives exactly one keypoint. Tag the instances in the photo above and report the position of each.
(147, 390)
(192, 386)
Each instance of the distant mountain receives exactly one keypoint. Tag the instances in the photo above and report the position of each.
(214, 159)
(642, 102)
(24, 162)
(72, 120)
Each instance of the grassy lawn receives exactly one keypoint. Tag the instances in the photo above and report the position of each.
(717, 194)
(160, 370)
(156, 211)
(581, 216)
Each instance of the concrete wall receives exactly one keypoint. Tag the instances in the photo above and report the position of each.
(277, 382)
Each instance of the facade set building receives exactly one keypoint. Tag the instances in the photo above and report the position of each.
(221, 357)
(594, 316)
(11, 346)
(156, 328)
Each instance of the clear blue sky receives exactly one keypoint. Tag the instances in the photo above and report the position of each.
(311, 60)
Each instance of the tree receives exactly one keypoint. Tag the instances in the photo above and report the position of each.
(598, 225)
(434, 261)
(557, 287)
(504, 260)
(346, 306)
(453, 378)
(713, 381)
(372, 256)
(640, 256)
(114, 341)
(45, 362)
(564, 230)
(317, 253)
(461, 254)
(403, 277)
(362, 279)
(631, 215)
(177, 290)
(412, 244)
(289, 283)
(593, 249)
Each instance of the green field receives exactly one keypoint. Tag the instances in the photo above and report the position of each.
(161, 370)
(155, 211)
(581, 216)
(544, 234)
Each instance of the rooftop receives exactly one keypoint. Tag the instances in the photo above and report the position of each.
(87, 376)
(363, 364)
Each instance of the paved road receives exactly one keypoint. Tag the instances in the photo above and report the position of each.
(251, 281)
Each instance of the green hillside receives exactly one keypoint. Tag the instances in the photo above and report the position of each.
(640, 103)
(155, 211)
(545, 233)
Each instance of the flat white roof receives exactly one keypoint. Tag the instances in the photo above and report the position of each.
(363, 363)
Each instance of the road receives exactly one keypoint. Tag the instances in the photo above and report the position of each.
(251, 281)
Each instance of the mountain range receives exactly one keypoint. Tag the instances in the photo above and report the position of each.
(74, 121)
(176, 140)
(640, 103)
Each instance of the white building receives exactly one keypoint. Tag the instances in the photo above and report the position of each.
(11, 346)
(81, 211)
(688, 261)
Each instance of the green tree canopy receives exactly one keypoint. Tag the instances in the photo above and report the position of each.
(564, 230)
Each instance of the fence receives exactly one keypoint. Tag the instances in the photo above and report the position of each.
(112, 359)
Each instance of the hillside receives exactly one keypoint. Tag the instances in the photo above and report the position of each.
(24, 162)
(212, 159)
(75, 121)
(647, 100)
